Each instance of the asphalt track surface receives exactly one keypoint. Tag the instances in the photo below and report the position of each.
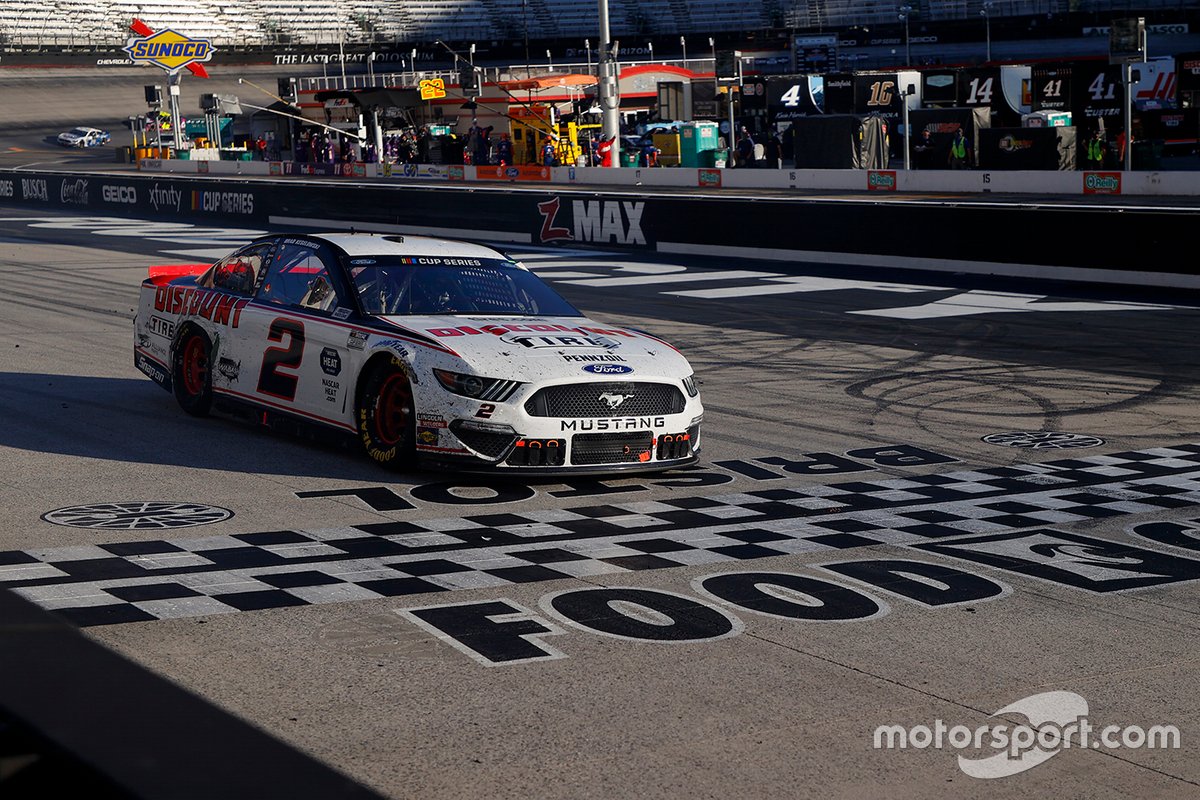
(844, 421)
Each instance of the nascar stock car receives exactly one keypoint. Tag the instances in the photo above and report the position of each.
(84, 137)
(428, 351)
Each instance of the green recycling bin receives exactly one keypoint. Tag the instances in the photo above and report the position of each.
(630, 158)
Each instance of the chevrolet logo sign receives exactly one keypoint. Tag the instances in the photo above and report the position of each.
(169, 50)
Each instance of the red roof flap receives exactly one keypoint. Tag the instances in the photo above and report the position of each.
(165, 273)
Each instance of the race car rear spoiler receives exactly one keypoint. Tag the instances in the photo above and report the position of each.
(162, 274)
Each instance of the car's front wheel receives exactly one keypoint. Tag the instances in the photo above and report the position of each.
(191, 372)
(386, 419)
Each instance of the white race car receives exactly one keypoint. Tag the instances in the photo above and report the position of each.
(428, 351)
(84, 137)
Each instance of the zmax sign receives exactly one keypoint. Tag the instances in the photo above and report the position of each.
(599, 221)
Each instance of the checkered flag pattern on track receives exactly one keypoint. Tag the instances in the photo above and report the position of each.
(162, 579)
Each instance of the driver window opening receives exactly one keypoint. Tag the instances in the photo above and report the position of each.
(298, 277)
(237, 273)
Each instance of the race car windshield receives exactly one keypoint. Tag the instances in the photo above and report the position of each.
(437, 285)
(79, 131)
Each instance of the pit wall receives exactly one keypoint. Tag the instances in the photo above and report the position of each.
(1039, 182)
(1112, 241)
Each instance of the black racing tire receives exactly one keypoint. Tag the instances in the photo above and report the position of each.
(387, 421)
(191, 372)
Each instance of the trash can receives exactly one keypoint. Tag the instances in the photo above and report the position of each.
(1147, 154)
(124, 154)
(630, 158)
(720, 158)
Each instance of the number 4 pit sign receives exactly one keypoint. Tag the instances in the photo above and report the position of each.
(789, 97)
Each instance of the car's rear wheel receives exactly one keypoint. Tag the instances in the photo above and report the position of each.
(386, 419)
(191, 373)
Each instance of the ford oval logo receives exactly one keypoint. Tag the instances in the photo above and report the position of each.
(608, 369)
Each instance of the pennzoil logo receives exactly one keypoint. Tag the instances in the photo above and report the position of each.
(169, 50)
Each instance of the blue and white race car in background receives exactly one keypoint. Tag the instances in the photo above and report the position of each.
(84, 137)
(425, 350)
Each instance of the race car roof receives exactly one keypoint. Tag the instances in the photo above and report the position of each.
(374, 244)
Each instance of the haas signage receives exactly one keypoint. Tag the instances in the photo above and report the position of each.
(601, 221)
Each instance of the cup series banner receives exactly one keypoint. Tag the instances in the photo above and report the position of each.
(1050, 236)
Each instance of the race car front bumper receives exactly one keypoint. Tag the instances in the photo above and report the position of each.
(496, 447)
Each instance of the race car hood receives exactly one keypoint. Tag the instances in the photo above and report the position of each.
(545, 348)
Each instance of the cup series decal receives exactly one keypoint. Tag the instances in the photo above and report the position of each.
(223, 202)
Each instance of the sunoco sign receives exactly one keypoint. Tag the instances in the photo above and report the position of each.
(169, 50)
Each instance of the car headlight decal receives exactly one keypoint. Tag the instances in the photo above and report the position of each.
(474, 386)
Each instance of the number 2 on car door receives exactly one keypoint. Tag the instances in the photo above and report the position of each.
(270, 380)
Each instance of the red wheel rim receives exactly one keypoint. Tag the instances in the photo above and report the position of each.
(391, 410)
(195, 365)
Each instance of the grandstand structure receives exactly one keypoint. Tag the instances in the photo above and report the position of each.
(234, 23)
